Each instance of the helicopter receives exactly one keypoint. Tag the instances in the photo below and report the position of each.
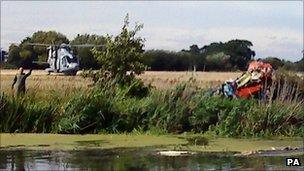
(61, 58)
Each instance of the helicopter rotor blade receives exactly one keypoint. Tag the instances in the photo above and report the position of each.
(59, 45)
(39, 44)
(87, 45)
(39, 62)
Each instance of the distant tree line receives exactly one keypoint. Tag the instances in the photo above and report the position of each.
(287, 65)
(219, 56)
(231, 55)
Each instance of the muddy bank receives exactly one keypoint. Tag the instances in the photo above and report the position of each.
(285, 151)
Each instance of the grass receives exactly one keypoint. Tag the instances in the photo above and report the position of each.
(169, 142)
(112, 108)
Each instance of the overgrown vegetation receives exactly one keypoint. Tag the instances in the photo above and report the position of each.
(113, 108)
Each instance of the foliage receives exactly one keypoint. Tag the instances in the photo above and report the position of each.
(239, 52)
(23, 54)
(112, 107)
(160, 60)
(287, 86)
(24, 114)
(218, 61)
(7, 66)
(85, 54)
(231, 55)
(300, 65)
(275, 62)
(14, 56)
(123, 53)
(196, 60)
(49, 37)
(283, 64)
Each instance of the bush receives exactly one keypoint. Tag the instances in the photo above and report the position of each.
(122, 54)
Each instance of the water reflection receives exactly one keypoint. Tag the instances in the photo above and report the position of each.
(132, 159)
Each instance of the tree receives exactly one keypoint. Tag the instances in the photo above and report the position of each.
(275, 62)
(162, 60)
(14, 56)
(300, 65)
(122, 53)
(217, 62)
(85, 54)
(26, 58)
(24, 54)
(196, 57)
(45, 37)
(240, 53)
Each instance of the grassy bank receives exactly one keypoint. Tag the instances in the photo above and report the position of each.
(112, 108)
(171, 142)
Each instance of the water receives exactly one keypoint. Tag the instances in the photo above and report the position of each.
(133, 159)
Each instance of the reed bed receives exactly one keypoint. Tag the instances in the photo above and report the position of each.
(184, 108)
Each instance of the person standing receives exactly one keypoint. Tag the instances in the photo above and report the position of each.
(19, 80)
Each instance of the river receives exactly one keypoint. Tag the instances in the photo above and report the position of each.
(134, 159)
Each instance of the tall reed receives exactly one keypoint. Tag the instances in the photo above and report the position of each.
(114, 108)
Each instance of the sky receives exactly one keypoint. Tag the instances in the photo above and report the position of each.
(274, 27)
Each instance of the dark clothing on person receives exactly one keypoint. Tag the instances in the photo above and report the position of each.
(19, 80)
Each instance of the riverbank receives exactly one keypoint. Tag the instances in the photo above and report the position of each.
(169, 142)
(112, 108)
